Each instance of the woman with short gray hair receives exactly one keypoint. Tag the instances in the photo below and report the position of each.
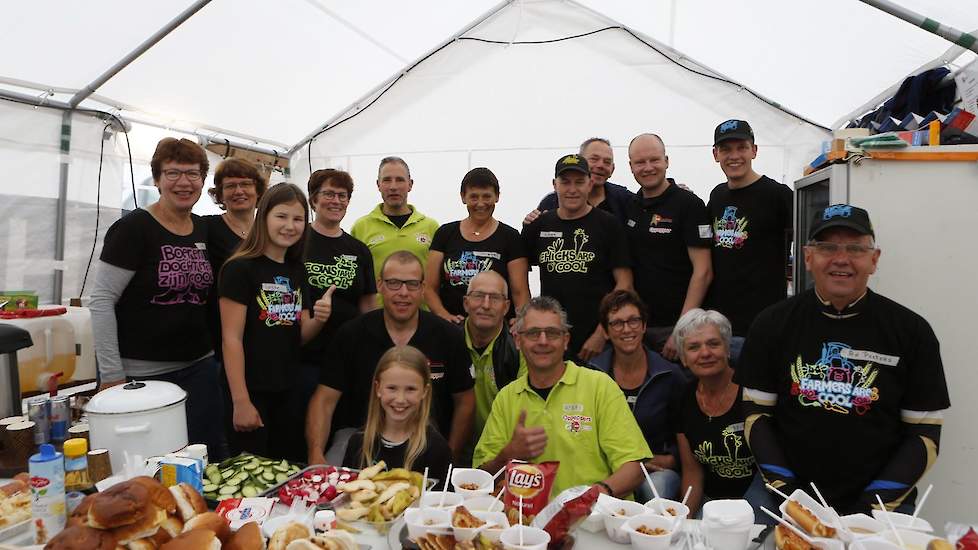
(716, 461)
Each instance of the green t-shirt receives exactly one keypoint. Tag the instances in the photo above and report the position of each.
(485, 380)
(383, 238)
(590, 428)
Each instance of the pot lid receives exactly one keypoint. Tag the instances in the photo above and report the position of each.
(135, 397)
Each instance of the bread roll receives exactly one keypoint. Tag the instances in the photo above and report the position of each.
(287, 533)
(248, 537)
(82, 537)
(157, 493)
(122, 504)
(188, 500)
(197, 539)
(148, 524)
(212, 521)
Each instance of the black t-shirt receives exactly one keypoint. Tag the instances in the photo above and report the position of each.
(464, 259)
(162, 313)
(398, 219)
(361, 341)
(751, 237)
(436, 456)
(275, 296)
(841, 383)
(342, 261)
(631, 396)
(221, 244)
(577, 259)
(660, 230)
(719, 445)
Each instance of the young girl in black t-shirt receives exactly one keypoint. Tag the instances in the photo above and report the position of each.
(397, 429)
(264, 320)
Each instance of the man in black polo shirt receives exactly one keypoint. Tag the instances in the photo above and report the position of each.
(843, 387)
(582, 255)
(669, 237)
(340, 402)
(610, 197)
(752, 218)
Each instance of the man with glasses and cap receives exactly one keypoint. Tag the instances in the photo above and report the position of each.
(339, 405)
(751, 216)
(561, 411)
(843, 387)
(582, 255)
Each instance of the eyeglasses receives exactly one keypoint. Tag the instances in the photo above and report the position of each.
(330, 195)
(396, 284)
(243, 185)
(632, 322)
(549, 332)
(479, 296)
(853, 250)
(174, 174)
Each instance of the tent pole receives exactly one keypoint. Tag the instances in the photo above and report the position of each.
(478, 21)
(62, 207)
(963, 39)
(140, 50)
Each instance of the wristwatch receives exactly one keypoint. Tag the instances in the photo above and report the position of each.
(606, 488)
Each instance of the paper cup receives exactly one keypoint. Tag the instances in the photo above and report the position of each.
(863, 526)
(903, 521)
(422, 520)
(912, 540)
(483, 504)
(620, 512)
(727, 524)
(533, 538)
(498, 518)
(432, 499)
(481, 479)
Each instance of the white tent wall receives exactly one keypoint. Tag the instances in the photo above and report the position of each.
(516, 108)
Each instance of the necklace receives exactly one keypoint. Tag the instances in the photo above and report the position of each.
(482, 229)
(234, 226)
(716, 405)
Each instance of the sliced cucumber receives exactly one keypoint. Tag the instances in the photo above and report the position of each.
(210, 487)
(281, 478)
(250, 491)
(228, 489)
(227, 474)
(280, 468)
(267, 476)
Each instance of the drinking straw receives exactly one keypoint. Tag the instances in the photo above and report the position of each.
(886, 515)
(784, 522)
(775, 490)
(838, 520)
(655, 493)
(444, 486)
(424, 483)
(521, 520)
(920, 506)
(686, 496)
(498, 496)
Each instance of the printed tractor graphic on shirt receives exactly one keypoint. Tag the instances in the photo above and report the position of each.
(460, 272)
(835, 382)
(730, 231)
(560, 260)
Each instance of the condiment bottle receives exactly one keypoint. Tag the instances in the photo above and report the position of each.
(76, 465)
(47, 471)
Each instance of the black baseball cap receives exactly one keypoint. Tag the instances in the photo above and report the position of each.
(732, 129)
(571, 162)
(841, 215)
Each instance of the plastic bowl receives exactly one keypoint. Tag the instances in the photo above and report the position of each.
(533, 538)
(432, 499)
(875, 543)
(912, 540)
(903, 521)
(803, 498)
(863, 526)
(483, 504)
(481, 478)
(614, 520)
(680, 509)
(649, 542)
(417, 521)
(499, 518)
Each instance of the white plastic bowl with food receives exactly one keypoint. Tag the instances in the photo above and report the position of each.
(672, 508)
(420, 521)
(648, 531)
(533, 538)
(472, 482)
(875, 543)
(862, 526)
(497, 519)
(486, 503)
(904, 521)
(813, 506)
(615, 514)
(441, 499)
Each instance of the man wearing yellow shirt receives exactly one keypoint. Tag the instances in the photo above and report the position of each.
(560, 411)
(394, 224)
(495, 359)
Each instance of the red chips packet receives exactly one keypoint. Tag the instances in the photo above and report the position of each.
(533, 483)
(570, 516)
(968, 542)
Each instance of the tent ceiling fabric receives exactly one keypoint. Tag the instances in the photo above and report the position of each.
(274, 71)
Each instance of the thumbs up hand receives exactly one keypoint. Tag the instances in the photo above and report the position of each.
(324, 306)
(527, 442)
